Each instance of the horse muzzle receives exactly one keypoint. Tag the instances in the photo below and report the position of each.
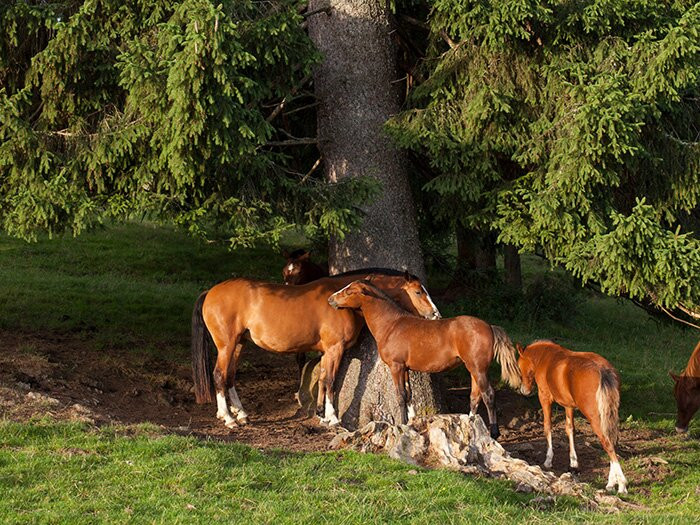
(681, 430)
(435, 316)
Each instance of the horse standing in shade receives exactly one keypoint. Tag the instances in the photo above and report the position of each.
(686, 390)
(582, 380)
(406, 342)
(300, 269)
(280, 318)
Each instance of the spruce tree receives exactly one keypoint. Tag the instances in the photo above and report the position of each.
(571, 128)
(167, 109)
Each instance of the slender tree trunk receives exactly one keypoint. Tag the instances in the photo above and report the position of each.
(511, 263)
(357, 91)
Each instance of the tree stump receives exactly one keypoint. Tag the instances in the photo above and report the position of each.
(462, 442)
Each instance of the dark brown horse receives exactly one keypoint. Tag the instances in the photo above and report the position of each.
(686, 390)
(281, 318)
(406, 342)
(582, 380)
(300, 269)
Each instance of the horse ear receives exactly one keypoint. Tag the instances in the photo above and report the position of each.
(370, 277)
(674, 377)
(304, 256)
(520, 348)
(407, 276)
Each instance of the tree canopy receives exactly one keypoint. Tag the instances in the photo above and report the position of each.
(572, 128)
(161, 108)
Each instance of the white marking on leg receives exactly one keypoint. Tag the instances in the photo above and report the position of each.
(237, 407)
(222, 410)
(611, 477)
(436, 312)
(411, 412)
(620, 478)
(330, 418)
(573, 459)
(550, 452)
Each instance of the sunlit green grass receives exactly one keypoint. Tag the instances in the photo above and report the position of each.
(133, 287)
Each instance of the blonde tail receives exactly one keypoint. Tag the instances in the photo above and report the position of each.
(608, 399)
(507, 357)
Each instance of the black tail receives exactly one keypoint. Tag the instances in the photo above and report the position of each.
(202, 347)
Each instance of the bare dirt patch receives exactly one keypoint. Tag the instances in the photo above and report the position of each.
(69, 379)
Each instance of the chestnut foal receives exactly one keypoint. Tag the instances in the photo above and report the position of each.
(406, 342)
(686, 390)
(582, 380)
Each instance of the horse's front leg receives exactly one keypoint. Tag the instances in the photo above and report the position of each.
(398, 371)
(409, 395)
(573, 459)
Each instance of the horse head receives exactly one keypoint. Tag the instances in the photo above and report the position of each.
(527, 371)
(686, 390)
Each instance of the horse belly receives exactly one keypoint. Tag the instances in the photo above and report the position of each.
(283, 335)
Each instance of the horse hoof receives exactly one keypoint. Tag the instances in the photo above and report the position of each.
(231, 424)
(242, 420)
(494, 432)
(610, 488)
(622, 490)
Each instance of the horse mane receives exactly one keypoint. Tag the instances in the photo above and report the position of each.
(693, 367)
(383, 271)
(381, 294)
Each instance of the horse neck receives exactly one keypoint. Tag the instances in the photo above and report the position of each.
(693, 368)
(379, 315)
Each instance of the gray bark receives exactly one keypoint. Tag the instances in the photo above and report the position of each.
(356, 85)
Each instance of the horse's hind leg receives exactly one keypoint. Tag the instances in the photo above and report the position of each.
(236, 406)
(474, 396)
(615, 475)
(488, 396)
(221, 380)
(573, 460)
(546, 403)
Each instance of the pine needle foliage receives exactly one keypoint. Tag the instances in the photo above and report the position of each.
(157, 108)
(571, 128)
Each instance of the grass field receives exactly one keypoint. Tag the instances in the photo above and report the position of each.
(132, 287)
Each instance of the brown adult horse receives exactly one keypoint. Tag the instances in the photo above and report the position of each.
(582, 380)
(281, 318)
(686, 390)
(406, 342)
(300, 269)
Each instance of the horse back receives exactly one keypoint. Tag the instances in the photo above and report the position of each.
(572, 378)
(277, 317)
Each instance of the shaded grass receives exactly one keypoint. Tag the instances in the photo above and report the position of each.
(125, 285)
(133, 286)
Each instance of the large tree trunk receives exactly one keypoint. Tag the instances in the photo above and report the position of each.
(357, 91)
